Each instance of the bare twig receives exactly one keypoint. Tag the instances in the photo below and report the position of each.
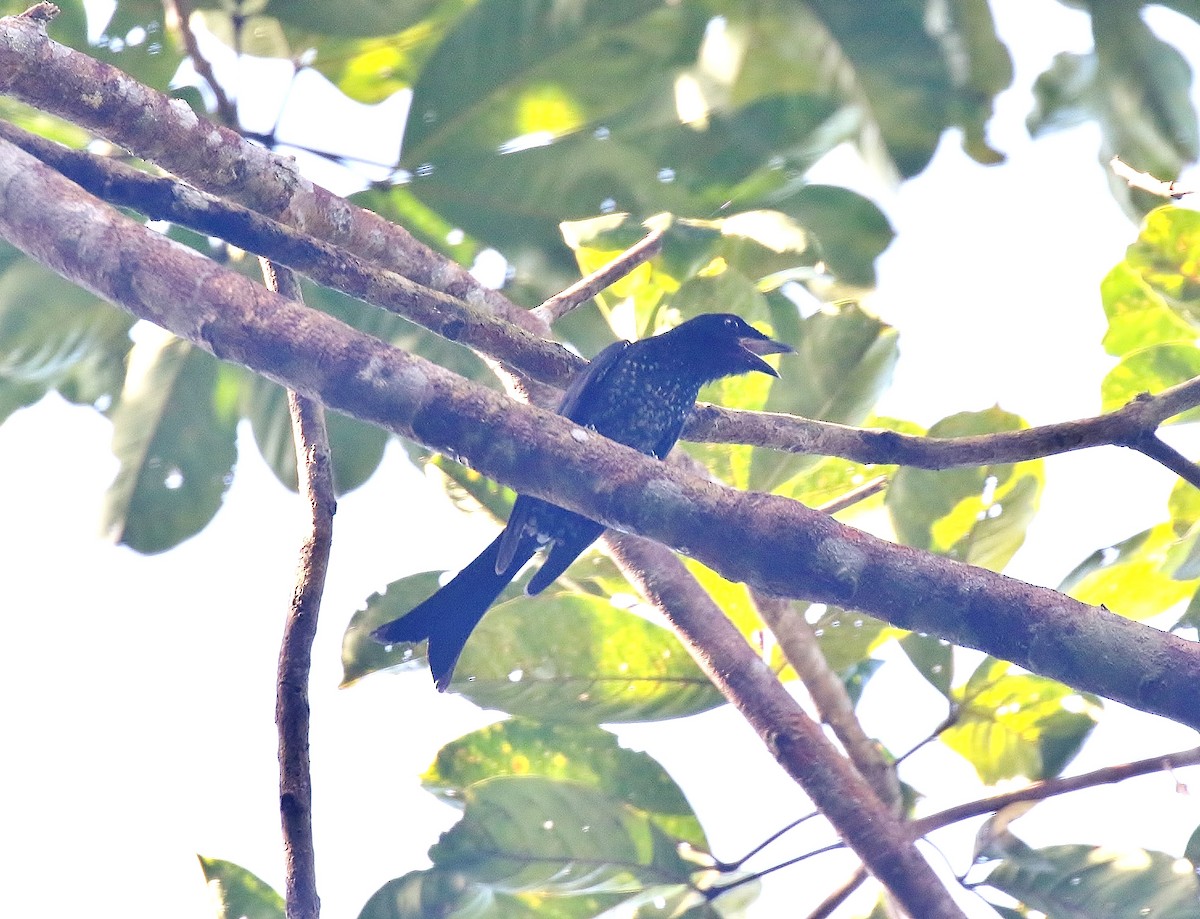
(1146, 182)
(1048, 788)
(226, 109)
(855, 495)
(1157, 449)
(584, 289)
(839, 896)
(315, 472)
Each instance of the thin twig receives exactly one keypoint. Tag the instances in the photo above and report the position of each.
(1048, 788)
(1159, 450)
(855, 495)
(584, 289)
(226, 109)
(777, 835)
(1146, 182)
(837, 897)
(315, 472)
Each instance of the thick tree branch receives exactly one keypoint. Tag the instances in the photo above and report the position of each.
(770, 542)
(869, 827)
(165, 131)
(539, 360)
(314, 469)
(101, 98)
(165, 198)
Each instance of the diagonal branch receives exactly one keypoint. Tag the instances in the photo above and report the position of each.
(166, 198)
(585, 288)
(770, 542)
(112, 104)
(874, 832)
(54, 78)
(545, 362)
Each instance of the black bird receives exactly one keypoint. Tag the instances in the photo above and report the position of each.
(636, 393)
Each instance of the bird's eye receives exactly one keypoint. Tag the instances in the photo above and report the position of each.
(730, 322)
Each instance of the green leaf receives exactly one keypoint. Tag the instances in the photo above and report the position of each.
(1138, 314)
(1137, 87)
(1139, 576)
(901, 71)
(1184, 506)
(1165, 257)
(363, 655)
(355, 447)
(843, 364)
(1015, 724)
(582, 754)
(173, 435)
(846, 638)
(1150, 370)
(562, 656)
(933, 657)
(55, 334)
(240, 894)
(530, 833)
(1099, 883)
(1192, 850)
(977, 515)
(982, 66)
(852, 231)
(361, 17)
(856, 677)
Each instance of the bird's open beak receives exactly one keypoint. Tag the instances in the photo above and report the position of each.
(759, 346)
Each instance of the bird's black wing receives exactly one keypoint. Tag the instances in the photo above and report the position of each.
(576, 405)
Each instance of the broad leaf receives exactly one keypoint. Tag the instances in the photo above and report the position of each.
(1137, 87)
(530, 833)
(1138, 577)
(1138, 314)
(582, 754)
(356, 448)
(1151, 370)
(1099, 883)
(240, 894)
(1016, 724)
(976, 515)
(560, 656)
(933, 657)
(55, 334)
(173, 435)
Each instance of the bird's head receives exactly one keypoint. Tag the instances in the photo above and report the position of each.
(725, 344)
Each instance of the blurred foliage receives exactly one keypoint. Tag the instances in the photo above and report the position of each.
(556, 132)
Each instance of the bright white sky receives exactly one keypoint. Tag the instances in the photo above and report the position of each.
(140, 690)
